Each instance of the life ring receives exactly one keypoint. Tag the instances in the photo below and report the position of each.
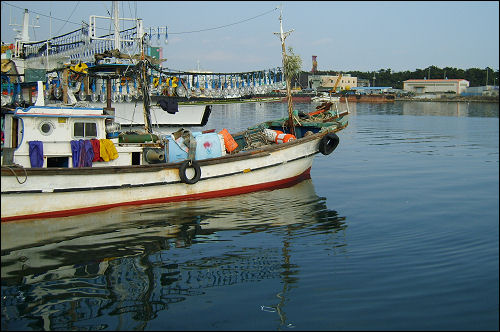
(328, 143)
(197, 172)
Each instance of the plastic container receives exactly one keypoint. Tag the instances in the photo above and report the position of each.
(210, 145)
(175, 152)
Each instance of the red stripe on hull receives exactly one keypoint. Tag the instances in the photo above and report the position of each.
(211, 194)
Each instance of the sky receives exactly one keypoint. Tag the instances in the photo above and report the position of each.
(238, 36)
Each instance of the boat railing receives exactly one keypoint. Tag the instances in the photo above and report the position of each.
(76, 44)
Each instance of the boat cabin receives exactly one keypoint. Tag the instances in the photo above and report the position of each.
(51, 130)
(69, 137)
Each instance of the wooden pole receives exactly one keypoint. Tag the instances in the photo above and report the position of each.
(108, 93)
(65, 85)
(288, 80)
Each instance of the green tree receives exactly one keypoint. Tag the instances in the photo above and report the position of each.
(386, 77)
(291, 67)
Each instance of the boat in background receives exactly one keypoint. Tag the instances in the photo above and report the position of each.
(325, 97)
(83, 69)
(368, 98)
(77, 61)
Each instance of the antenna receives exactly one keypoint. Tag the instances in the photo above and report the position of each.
(23, 35)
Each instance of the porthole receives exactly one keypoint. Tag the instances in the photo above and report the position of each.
(46, 128)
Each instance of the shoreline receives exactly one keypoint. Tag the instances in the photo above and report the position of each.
(460, 99)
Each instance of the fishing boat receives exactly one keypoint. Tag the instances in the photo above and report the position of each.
(369, 98)
(324, 98)
(62, 161)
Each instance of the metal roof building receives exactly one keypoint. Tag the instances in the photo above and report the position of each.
(457, 86)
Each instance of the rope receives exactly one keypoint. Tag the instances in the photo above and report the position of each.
(25, 174)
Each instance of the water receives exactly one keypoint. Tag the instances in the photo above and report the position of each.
(396, 230)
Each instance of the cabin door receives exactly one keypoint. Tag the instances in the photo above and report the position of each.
(15, 134)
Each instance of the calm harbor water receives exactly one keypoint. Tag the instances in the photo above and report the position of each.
(396, 230)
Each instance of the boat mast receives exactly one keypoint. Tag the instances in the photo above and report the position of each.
(145, 89)
(23, 35)
(116, 19)
(282, 35)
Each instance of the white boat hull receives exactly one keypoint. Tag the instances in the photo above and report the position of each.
(82, 190)
(131, 114)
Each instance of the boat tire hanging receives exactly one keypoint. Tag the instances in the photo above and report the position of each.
(328, 143)
(197, 172)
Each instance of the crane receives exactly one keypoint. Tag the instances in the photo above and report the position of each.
(336, 83)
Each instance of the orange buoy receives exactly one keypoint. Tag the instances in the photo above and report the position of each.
(229, 141)
(283, 138)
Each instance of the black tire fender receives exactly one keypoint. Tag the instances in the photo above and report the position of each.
(183, 168)
(328, 143)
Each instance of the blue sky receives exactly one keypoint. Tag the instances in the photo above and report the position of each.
(344, 35)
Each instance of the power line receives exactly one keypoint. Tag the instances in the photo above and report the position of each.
(68, 17)
(173, 33)
(224, 26)
(32, 11)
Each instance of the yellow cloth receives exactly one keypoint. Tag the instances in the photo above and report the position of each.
(108, 151)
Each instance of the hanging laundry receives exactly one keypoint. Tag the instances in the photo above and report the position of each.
(75, 152)
(169, 105)
(83, 153)
(89, 154)
(108, 150)
(96, 146)
(36, 153)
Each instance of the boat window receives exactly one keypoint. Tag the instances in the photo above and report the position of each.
(85, 129)
(57, 162)
(46, 128)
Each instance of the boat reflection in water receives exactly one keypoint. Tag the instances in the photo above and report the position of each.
(132, 262)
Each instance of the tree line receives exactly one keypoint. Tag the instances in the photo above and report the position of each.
(386, 77)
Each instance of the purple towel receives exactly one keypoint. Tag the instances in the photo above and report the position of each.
(89, 153)
(36, 153)
(81, 145)
(75, 152)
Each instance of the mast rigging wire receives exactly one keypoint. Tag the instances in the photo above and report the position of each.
(224, 26)
(175, 33)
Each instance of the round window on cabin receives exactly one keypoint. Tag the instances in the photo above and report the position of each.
(46, 127)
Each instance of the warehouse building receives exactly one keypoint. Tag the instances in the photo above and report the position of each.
(327, 82)
(456, 86)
